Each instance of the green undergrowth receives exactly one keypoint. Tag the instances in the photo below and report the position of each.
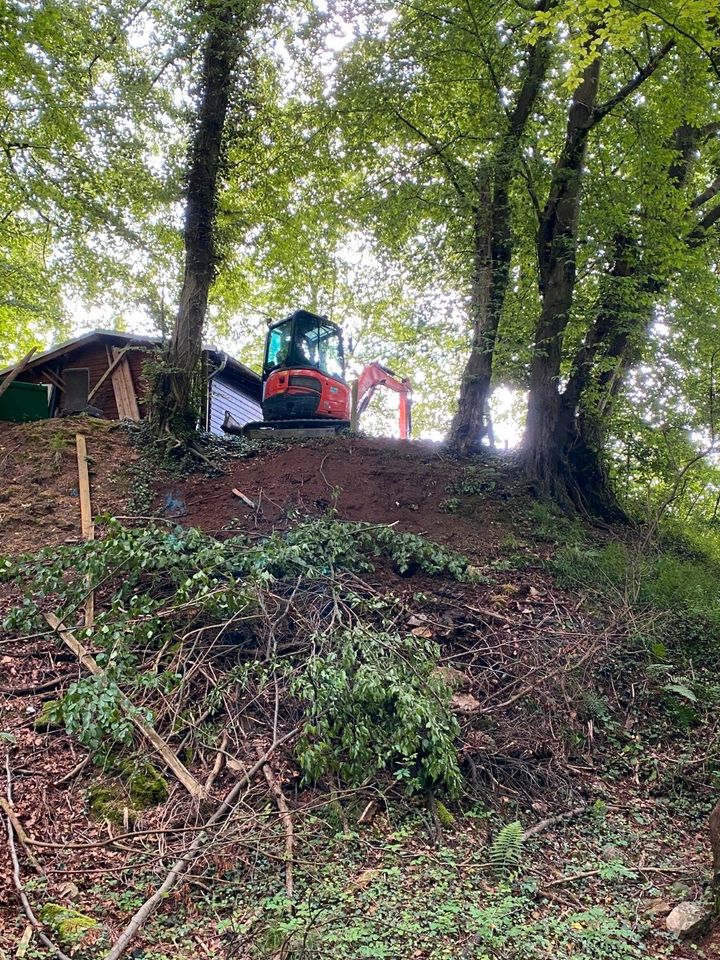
(367, 694)
(385, 893)
(674, 579)
(669, 592)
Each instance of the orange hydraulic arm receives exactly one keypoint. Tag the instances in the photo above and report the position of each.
(374, 376)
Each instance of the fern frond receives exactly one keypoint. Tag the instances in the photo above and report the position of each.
(507, 849)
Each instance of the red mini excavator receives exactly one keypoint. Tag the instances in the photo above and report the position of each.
(304, 386)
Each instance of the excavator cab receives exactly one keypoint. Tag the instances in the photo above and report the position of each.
(305, 340)
(304, 371)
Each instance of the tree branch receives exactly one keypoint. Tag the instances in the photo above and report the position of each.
(438, 151)
(706, 195)
(631, 86)
(183, 864)
(699, 234)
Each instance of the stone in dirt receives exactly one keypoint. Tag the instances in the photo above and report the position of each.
(455, 679)
(656, 908)
(465, 703)
(689, 920)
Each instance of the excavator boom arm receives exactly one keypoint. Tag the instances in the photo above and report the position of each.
(375, 375)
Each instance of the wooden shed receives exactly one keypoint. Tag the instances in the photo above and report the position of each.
(102, 373)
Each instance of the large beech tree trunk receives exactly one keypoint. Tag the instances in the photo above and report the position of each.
(560, 461)
(556, 246)
(173, 410)
(492, 255)
(614, 344)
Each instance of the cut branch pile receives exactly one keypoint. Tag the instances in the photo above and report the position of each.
(234, 649)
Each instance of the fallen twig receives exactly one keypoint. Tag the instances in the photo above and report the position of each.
(31, 691)
(284, 812)
(183, 863)
(241, 495)
(37, 926)
(21, 835)
(594, 873)
(220, 762)
(558, 818)
(78, 768)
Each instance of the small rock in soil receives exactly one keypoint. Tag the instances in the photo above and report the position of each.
(656, 908)
(611, 853)
(689, 920)
(679, 890)
(465, 703)
(455, 679)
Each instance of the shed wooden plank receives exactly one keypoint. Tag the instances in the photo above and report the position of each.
(125, 396)
(88, 661)
(16, 370)
(108, 372)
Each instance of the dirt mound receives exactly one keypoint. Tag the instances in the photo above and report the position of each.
(39, 498)
(415, 486)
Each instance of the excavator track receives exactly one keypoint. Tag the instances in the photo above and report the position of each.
(283, 429)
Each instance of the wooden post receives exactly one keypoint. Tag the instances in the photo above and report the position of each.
(354, 415)
(86, 520)
(88, 528)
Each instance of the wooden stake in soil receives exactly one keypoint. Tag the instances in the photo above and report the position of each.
(195, 789)
(88, 527)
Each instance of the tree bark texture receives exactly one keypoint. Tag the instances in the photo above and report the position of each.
(556, 246)
(173, 407)
(613, 345)
(492, 256)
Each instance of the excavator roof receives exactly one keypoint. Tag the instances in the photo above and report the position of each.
(303, 315)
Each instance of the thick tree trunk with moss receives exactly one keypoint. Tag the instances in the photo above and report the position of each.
(556, 245)
(558, 462)
(172, 408)
(492, 255)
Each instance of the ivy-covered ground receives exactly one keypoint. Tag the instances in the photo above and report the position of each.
(493, 730)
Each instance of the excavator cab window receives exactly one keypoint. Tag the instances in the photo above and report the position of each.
(319, 344)
(278, 345)
(305, 340)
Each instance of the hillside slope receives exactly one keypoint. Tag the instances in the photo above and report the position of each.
(560, 725)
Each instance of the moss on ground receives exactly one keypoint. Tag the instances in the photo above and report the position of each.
(70, 926)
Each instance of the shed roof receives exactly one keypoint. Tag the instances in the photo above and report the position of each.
(119, 339)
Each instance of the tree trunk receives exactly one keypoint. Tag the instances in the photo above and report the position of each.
(551, 426)
(557, 242)
(172, 408)
(492, 255)
(469, 423)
